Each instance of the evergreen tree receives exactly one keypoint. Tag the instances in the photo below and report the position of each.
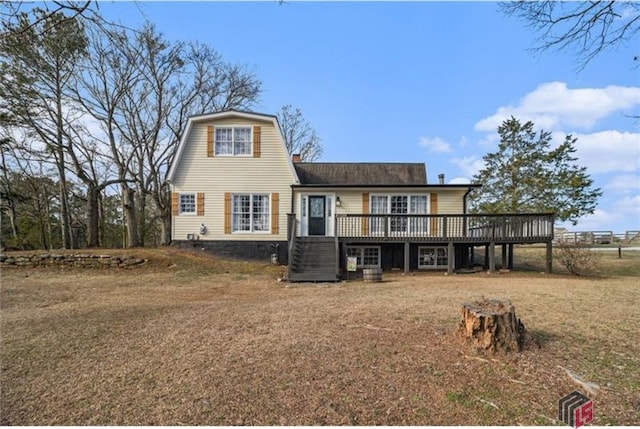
(526, 175)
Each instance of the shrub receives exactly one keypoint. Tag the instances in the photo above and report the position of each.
(578, 259)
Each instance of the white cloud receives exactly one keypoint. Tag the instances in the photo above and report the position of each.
(624, 184)
(552, 105)
(619, 216)
(600, 220)
(629, 207)
(460, 181)
(609, 151)
(469, 165)
(489, 141)
(434, 144)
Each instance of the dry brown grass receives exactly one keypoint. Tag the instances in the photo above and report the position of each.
(189, 340)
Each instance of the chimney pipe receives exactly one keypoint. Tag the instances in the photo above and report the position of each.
(441, 179)
(295, 157)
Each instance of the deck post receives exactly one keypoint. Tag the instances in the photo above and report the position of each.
(549, 256)
(492, 257)
(345, 272)
(510, 263)
(451, 258)
(407, 249)
(486, 257)
(503, 252)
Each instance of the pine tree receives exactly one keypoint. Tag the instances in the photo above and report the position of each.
(526, 175)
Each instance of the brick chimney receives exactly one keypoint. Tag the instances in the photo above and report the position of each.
(441, 179)
(295, 157)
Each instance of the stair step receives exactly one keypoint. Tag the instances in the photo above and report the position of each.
(313, 260)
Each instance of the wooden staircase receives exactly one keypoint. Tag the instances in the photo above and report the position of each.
(313, 259)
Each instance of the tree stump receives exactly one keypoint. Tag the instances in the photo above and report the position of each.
(491, 326)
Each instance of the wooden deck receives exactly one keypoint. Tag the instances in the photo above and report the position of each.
(459, 228)
(455, 231)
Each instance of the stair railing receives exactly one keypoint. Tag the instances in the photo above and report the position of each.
(337, 244)
(291, 238)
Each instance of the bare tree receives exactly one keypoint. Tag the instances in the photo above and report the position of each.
(109, 73)
(142, 88)
(299, 136)
(586, 28)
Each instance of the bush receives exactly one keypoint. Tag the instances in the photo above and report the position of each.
(578, 259)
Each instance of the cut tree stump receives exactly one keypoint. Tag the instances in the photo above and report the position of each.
(491, 326)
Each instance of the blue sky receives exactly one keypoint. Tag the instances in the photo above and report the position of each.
(424, 82)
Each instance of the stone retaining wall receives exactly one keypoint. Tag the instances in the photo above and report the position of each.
(79, 260)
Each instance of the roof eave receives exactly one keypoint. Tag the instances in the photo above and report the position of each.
(386, 185)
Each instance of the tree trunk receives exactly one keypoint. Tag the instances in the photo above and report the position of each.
(130, 217)
(101, 221)
(166, 227)
(47, 208)
(65, 222)
(142, 217)
(12, 218)
(491, 326)
(41, 221)
(93, 222)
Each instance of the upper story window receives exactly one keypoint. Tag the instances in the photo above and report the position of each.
(187, 203)
(233, 141)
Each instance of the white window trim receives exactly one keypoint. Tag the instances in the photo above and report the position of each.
(361, 256)
(195, 204)
(251, 231)
(330, 211)
(435, 266)
(389, 195)
(232, 154)
(388, 209)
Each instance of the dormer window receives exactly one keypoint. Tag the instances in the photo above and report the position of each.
(233, 141)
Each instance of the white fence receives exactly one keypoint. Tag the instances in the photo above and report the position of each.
(597, 237)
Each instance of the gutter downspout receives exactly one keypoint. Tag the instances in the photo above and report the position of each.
(464, 200)
(292, 199)
(465, 224)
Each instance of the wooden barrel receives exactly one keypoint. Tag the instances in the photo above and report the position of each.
(372, 275)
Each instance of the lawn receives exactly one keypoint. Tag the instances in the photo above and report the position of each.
(190, 340)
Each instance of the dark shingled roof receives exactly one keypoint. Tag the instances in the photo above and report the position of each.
(361, 173)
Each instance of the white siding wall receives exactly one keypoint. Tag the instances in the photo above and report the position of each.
(219, 174)
(451, 201)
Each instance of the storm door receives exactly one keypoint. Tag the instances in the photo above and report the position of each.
(317, 215)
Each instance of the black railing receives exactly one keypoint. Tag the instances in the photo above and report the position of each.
(291, 238)
(528, 227)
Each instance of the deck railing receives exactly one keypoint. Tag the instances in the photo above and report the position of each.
(528, 227)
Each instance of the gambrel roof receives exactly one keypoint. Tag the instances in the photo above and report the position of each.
(211, 117)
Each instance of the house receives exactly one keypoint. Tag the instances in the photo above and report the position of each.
(237, 192)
